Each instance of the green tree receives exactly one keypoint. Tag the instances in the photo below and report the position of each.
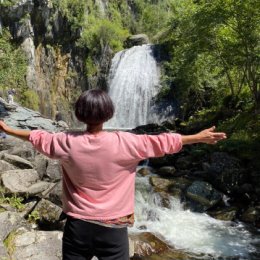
(220, 40)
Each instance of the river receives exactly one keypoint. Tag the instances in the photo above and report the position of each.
(192, 235)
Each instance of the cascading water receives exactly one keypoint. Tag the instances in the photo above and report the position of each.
(188, 231)
(133, 82)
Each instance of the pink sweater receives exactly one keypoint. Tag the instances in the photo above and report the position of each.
(99, 170)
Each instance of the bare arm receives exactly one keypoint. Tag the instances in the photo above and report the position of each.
(207, 136)
(22, 134)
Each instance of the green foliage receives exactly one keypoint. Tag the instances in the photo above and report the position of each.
(9, 242)
(7, 3)
(73, 10)
(14, 201)
(102, 32)
(215, 48)
(34, 216)
(30, 99)
(91, 67)
(13, 64)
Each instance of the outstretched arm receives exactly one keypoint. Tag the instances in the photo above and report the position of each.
(207, 136)
(22, 134)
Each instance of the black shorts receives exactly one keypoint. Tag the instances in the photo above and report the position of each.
(83, 240)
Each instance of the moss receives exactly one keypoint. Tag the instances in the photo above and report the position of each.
(7, 3)
(9, 243)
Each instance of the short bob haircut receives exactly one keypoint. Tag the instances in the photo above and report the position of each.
(94, 107)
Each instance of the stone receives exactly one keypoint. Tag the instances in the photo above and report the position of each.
(17, 161)
(24, 150)
(166, 171)
(53, 171)
(138, 39)
(49, 214)
(184, 163)
(5, 166)
(144, 171)
(23, 182)
(160, 184)
(37, 245)
(251, 215)
(9, 221)
(55, 194)
(146, 244)
(41, 162)
(203, 193)
(226, 214)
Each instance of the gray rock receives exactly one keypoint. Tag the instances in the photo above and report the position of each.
(138, 39)
(49, 213)
(17, 161)
(41, 162)
(56, 194)
(9, 221)
(5, 166)
(203, 193)
(53, 171)
(37, 245)
(9, 143)
(23, 150)
(23, 182)
(23, 29)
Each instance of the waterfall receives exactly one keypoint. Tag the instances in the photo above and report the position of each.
(133, 82)
(189, 231)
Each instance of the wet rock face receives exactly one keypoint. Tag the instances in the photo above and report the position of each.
(138, 39)
(146, 244)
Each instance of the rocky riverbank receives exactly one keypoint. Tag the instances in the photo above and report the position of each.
(30, 199)
(208, 179)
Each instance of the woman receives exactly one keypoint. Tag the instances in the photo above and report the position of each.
(99, 175)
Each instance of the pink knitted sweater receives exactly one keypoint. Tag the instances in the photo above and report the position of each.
(99, 170)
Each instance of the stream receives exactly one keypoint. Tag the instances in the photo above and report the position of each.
(197, 235)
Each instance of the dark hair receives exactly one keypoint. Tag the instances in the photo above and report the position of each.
(94, 107)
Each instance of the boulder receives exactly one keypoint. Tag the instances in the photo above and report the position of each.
(53, 171)
(203, 193)
(138, 39)
(56, 194)
(226, 214)
(49, 214)
(23, 182)
(5, 166)
(166, 171)
(36, 245)
(145, 244)
(144, 171)
(41, 162)
(9, 221)
(184, 163)
(17, 161)
(251, 215)
(225, 173)
(23, 150)
(160, 184)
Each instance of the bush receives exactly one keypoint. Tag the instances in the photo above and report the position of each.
(30, 99)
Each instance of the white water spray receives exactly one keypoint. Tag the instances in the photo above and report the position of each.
(185, 230)
(133, 82)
